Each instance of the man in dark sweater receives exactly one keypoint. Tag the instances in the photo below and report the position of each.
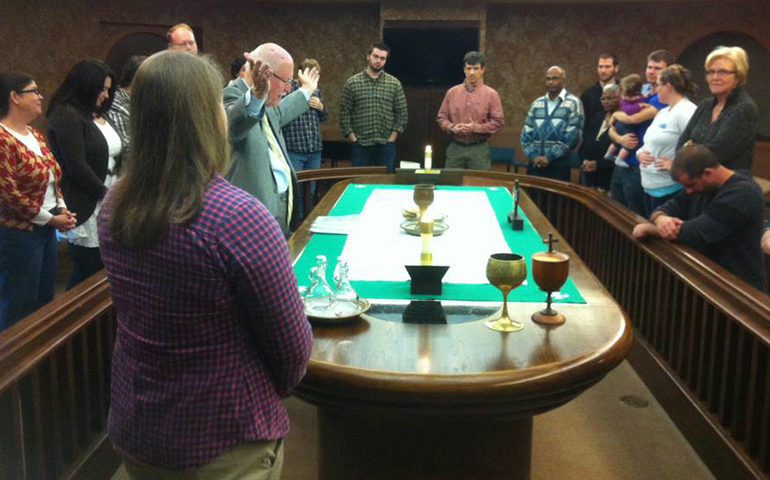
(720, 213)
(597, 171)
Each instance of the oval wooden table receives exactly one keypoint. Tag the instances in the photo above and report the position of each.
(402, 401)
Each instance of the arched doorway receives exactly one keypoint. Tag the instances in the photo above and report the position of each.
(134, 44)
(759, 72)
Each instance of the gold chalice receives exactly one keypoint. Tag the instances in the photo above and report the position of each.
(506, 271)
(550, 270)
(423, 197)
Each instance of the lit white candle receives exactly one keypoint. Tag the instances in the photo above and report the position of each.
(428, 157)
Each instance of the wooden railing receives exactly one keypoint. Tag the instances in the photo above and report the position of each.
(703, 334)
(703, 346)
(54, 388)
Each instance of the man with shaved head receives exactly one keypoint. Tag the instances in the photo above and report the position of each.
(257, 107)
(552, 129)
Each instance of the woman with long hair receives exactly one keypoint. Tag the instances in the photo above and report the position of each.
(211, 329)
(88, 148)
(31, 203)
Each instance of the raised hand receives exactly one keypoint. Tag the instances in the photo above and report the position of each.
(308, 79)
(260, 76)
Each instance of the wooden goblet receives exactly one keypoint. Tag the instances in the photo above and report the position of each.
(550, 271)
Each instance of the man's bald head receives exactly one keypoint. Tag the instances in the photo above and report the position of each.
(272, 54)
(554, 81)
(282, 65)
(556, 70)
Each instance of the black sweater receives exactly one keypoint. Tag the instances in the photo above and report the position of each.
(732, 136)
(82, 153)
(726, 226)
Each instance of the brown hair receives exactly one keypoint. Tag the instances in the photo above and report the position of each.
(693, 160)
(180, 142)
(611, 56)
(662, 56)
(631, 85)
(680, 78)
(310, 63)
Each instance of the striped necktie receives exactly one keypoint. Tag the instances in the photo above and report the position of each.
(278, 164)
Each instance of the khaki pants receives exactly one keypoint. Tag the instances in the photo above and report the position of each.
(476, 156)
(247, 461)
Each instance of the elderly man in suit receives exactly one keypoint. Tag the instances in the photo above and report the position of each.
(257, 107)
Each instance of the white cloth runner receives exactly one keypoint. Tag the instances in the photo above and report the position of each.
(377, 248)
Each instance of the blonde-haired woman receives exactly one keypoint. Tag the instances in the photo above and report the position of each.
(727, 122)
(211, 329)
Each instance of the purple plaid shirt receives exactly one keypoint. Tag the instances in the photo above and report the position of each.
(211, 333)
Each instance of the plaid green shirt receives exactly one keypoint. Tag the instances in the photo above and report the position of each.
(372, 108)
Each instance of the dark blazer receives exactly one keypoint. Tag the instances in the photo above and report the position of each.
(82, 153)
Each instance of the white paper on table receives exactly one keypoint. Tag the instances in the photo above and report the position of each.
(377, 248)
(343, 224)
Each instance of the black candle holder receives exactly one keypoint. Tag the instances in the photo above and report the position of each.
(426, 279)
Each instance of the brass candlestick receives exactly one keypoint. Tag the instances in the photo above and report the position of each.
(550, 270)
(423, 197)
(506, 271)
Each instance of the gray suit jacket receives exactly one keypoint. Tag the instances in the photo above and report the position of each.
(250, 165)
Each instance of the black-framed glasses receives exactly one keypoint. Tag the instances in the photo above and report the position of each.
(720, 73)
(29, 90)
(282, 79)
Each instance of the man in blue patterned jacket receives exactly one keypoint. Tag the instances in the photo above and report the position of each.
(552, 129)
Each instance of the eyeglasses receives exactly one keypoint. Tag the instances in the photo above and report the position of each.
(30, 90)
(282, 79)
(720, 73)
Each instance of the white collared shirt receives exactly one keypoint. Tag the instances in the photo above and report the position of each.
(552, 104)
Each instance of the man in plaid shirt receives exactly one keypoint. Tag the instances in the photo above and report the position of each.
(373, 112)
(120, 112)
(303, 134)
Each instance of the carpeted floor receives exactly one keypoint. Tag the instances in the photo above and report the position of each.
(596, 436)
